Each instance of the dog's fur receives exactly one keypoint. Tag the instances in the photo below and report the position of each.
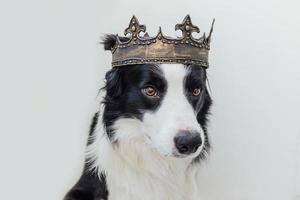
(131, 153)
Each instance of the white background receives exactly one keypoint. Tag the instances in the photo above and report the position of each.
(52, 66)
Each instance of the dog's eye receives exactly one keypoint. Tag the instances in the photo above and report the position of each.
(196, 91)
(150, 91)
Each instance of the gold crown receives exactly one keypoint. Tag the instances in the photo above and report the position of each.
(138, 49)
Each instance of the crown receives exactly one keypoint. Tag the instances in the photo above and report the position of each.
(137, 49)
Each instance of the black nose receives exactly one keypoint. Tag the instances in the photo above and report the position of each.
(187, 142)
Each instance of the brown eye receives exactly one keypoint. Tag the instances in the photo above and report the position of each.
(196, 91)
(150, 91)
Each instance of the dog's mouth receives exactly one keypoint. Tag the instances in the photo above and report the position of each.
(176, 154)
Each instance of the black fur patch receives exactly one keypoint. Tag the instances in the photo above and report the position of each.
(92, 128)
(90, 186)
(197, 79)
(123, 93)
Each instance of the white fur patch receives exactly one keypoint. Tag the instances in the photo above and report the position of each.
(174, 114)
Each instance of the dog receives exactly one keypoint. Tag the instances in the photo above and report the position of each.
(150, 135)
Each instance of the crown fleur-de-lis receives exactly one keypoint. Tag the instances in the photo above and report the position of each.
(187, 28)
(134, 28)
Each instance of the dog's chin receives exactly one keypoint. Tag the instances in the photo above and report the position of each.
(175, 154)
(178, 155)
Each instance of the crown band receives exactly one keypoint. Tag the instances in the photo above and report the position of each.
(161, 49)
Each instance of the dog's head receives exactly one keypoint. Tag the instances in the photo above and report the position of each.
(164, 104)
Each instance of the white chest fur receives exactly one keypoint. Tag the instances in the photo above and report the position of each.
(148, 187)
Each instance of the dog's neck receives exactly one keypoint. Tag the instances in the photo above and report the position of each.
(133, 169)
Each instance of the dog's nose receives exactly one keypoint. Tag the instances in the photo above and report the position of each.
(187, 142)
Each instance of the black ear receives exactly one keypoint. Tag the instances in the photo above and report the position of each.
(110, 40)
(113, 84)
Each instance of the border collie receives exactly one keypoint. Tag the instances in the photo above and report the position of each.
(148, 138)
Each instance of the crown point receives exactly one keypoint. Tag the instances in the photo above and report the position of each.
(204, 37)
(187, 27)
(159, 34)
(146, 35)
(133, 18)
(187, 17)
(187, 20)
(159, 29)
(134, 27)
(211, 30)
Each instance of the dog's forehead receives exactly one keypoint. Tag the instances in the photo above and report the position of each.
(174, 69)
(179, 70)
(174, 73)
(171, 73)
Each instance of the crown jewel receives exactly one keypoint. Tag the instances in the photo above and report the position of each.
(137, 49)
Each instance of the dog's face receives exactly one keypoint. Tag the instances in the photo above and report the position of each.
(165, 104)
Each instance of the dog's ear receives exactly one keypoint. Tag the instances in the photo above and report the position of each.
(113, 83)
(110, 40)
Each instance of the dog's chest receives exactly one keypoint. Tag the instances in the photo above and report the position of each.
(128, 185)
